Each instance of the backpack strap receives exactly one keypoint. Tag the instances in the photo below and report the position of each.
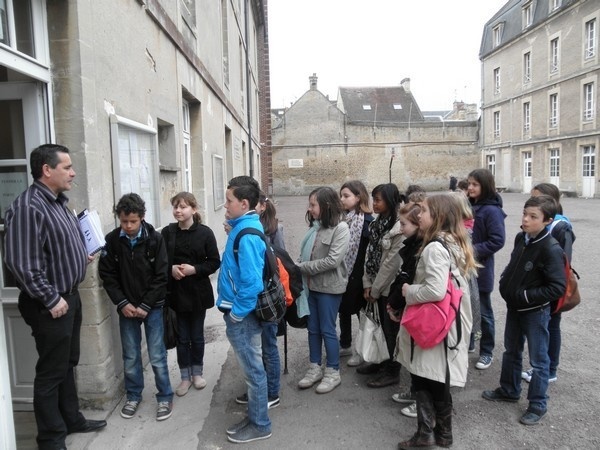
(270, 266)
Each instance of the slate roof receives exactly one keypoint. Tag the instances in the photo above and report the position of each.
(378, 105)
(510, 19)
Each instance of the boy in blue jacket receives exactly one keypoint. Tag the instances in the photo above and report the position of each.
(238, 287)
(532, 280)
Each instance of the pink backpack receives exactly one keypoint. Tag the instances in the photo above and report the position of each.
(428, 323)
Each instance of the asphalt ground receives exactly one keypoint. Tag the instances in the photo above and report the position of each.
(354, 416)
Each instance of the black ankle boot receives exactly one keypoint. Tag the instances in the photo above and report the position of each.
(424, 437)
(443, 424)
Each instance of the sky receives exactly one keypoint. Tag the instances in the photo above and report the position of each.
(356, 43)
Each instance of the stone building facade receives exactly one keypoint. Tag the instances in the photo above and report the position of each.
(151, 96)
(375, 134)
(540, 74)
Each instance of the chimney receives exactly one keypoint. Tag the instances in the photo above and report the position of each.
(406, 85)
(313, 82)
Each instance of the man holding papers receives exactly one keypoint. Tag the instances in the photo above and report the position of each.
(46, 252)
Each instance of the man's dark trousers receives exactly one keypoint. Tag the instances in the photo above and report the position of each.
(55, 400)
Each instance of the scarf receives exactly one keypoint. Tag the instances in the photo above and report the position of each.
(355, 223)
(377, 229)
(306, 247)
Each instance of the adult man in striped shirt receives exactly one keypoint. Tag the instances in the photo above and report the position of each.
(46, 253)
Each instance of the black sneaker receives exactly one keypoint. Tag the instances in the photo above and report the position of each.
(242, 399)
(164, 410)
(498, 395)
(248, 434)
(129, 409)
(273, 402)
(532, 417)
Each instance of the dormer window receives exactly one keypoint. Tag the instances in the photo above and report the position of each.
(527, 15)
(497, 35)
(366, 107)
(397, 106)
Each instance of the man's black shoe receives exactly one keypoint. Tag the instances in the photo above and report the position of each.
(368, 369)
(89, 426)
(498, 395)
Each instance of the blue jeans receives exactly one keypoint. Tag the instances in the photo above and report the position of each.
(321, 328)
(131, 343)
(534, 327)
(488, 328)
(555, 342)
(190, 342)
(245, 338)
(270, 357)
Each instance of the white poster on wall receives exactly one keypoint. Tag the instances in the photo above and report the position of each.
(11, 185)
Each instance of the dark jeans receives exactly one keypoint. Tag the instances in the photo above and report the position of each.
(488, 329)
(390, 331)
(190, 343)
(555, 343)
(55, 401)
(346, 329)
(533, 326)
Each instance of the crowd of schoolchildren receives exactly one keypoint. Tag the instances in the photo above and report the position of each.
(390, 250)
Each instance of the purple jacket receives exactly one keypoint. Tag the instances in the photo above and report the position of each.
(488, 238)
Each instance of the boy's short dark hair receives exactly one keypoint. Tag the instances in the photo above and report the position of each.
(546, 204)
(245, 188)
(131, 204)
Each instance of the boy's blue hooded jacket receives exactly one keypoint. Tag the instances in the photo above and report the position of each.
(239, 284)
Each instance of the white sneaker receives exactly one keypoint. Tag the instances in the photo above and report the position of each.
(330, 381)
(355, 360)
(410, 410)
(313, 375)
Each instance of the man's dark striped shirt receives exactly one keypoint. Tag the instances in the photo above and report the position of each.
(44, 247)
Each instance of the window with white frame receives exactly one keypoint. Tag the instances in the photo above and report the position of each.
(554, 55)
(497, 80)
(553, 113)
(527, 15)
(225, 41)
(590, 39)
(497, 35)
(491, 163)
(554, 162)
(526, 118)
(527, 67)
(496, 124)
(527, 164)
(135, 163)
(555, 4)
(187, 147)
(588, 101)
(589, 161)
(23, 27)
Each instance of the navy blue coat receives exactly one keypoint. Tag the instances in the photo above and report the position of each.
(488, 238)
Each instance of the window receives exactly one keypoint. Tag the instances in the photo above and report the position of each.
(527, 15)
(496, 124)
(555, 4)
(590, 39)
(225, 41)
(188, 12)
(366, 107)
(588, 101)
(554, 53)
(397, 106)
(187, 147)
(553, 110)
(22, 27)
(589, 161)
(527, 67)
(526, 118)
(497, 80)
(497, 35)
(491, 163)
(527, 164)
(554, 162)
(135, 165)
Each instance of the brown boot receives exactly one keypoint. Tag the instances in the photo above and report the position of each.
(443, 424)
(424, 437)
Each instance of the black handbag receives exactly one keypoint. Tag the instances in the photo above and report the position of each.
(170, 327)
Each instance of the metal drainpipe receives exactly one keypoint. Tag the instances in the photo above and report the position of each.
(248, 95)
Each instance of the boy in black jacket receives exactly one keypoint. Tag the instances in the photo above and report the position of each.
(532, 280)
(133, 267)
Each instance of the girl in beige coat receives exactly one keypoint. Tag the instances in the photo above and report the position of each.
(440, 219)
